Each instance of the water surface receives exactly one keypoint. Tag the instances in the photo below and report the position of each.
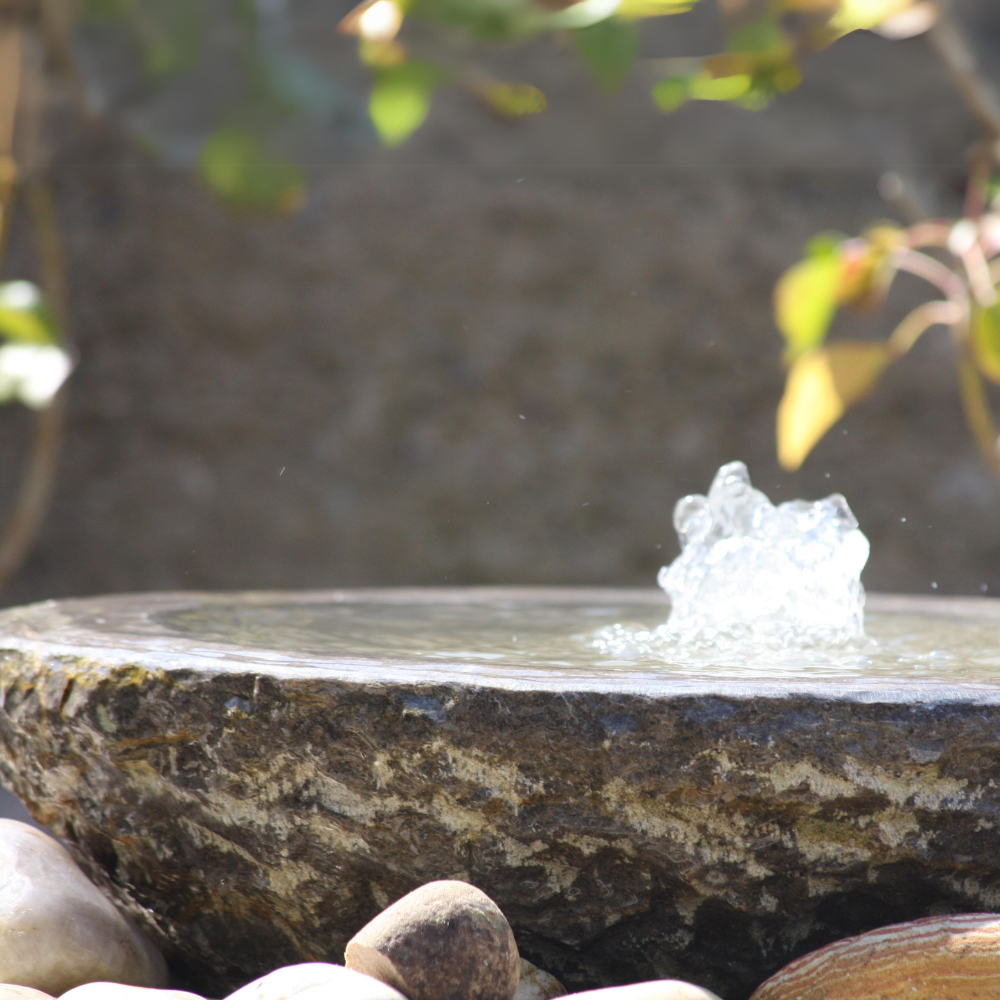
(580, 639)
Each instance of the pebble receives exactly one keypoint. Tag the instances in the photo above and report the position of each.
(655, 989)
(57, 929)
(119, 991)
(444, 941)
(534, 984)
(315, 981)
(8, 991)
(957, 957)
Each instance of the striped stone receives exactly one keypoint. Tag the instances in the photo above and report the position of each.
(956, 956)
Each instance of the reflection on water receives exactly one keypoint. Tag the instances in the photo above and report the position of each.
(579, 640)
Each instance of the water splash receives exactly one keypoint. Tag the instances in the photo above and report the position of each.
(752, 577)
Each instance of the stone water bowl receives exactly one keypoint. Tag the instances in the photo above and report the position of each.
(256, 775)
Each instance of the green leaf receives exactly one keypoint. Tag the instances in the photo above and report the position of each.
(805, 300)
(234, 166)
(824, 243)
(513, 99)
(401, 99)
(170, 35)
(821, 385)
(719, 88)
(986, 341)
(763, 35)
(993, 192)
(24, 316)
(670, 94)
(609, 48)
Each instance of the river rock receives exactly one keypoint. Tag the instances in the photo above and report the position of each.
(256, 792)
(316, 981)
(10, 992)
(119, 991)
(57, 929)
(446, 940)
(536, 984)
(955, 957)
(655, 989)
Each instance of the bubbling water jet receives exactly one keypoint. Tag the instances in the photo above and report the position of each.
(752, 576)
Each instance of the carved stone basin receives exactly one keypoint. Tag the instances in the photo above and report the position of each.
(256, 775)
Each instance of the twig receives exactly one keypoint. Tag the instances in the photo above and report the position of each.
(10, 88)
(929, 233)
(22, 79)
(978, 272)
(920, 319)
(978, 92)
(920, 264)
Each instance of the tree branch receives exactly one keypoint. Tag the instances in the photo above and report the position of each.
(920, 319)
(920, 264)
(978, 92)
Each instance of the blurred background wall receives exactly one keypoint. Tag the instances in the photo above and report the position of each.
(500, 353)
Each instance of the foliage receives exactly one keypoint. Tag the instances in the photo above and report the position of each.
(401, 99)
(237, 168)
(826, 378)
(414, 47)
(609, 48)
(410, 49)
(33, 360)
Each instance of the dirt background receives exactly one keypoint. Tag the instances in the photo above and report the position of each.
(499, 354)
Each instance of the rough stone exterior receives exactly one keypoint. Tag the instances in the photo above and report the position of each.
(255, 816)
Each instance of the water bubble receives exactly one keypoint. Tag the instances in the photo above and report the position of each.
(748, 569)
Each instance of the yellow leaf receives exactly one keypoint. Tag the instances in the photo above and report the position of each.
(381, 55)
(865, 266)
(512, 100)
(805, 300)
(986, 341)
(722, 88)
(24, 315)
(633, 10)
(821, 385)
(855, 14)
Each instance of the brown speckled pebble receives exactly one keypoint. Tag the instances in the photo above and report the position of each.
(8, 991)
(444, 941)
(536, 984)
(655, 989)
(316, 981)
(119, 991)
